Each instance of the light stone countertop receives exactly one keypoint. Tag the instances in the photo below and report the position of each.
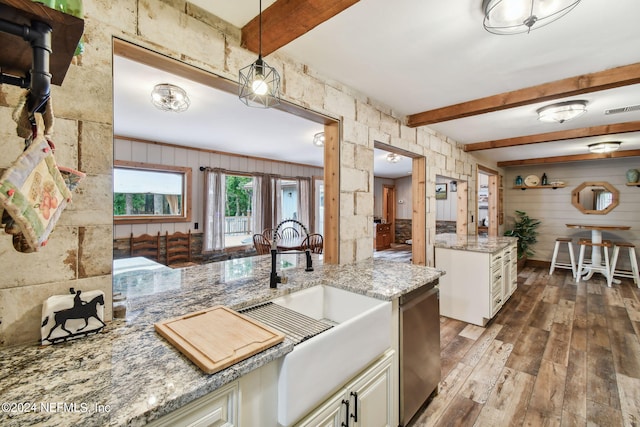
(137, 375)
(473, 243)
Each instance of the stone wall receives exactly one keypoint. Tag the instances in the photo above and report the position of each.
(79, 253)
(403, 230)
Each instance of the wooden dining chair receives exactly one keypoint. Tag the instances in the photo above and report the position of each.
(178, 249)
(262, 244)
(314, 242)
(145, 245)
(269, 233)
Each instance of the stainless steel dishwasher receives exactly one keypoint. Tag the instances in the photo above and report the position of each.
(419, 349)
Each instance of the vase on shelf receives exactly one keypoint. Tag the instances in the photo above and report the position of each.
(518, 180)
(632, 175)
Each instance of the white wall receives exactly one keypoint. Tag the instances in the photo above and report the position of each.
(554, 208)
(138, 151)
(404, 210)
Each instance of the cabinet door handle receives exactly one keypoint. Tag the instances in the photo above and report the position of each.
(346, 418)
(355, 407)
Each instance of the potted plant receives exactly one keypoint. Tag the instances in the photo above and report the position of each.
(524, 228)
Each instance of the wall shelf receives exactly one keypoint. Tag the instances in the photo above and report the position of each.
(633, 184)
(15, 53)
(553, 187)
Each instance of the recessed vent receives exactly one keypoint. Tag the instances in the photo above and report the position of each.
(622, 109)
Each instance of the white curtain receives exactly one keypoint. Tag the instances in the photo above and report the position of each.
(304, 201)
(257, 205)
(215, 200)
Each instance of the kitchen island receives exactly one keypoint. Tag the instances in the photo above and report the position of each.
(129, 375)
(480, 275)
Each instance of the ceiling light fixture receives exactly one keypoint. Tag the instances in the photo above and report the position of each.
(393, 158)
(562, 111)
(259, 83)
(168, 97)
(506, 17)
(604, 147)
(318, 139)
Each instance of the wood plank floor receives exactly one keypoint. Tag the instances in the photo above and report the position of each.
(559, 353)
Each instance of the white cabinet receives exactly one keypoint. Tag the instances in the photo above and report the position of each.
(216, 409)
(476, 284)
(367, 400)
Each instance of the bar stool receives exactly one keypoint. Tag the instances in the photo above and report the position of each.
(555, 264)
(594, 268)
(633, 274)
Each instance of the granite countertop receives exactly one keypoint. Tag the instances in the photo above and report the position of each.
(129, 375)
(473, 243)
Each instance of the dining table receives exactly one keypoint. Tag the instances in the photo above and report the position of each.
(291, 244)
(596, 237)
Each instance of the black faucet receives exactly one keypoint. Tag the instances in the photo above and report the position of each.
(274, 279)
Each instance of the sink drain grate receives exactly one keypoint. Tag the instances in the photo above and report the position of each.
(297, 327)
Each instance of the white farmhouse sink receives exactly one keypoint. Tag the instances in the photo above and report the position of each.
(320, 365)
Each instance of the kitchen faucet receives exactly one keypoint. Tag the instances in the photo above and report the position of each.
(274, 279)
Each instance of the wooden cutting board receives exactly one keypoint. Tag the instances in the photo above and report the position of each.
(218, 337)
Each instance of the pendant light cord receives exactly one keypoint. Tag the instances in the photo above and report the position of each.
(260, 31)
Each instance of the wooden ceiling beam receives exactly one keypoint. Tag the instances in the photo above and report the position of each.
(286, 20)
(572, 158)
(556, 136)
(578, 85)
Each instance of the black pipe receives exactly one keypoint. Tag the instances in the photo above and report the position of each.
(39, 37)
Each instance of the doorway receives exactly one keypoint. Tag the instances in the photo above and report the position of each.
(489, 202)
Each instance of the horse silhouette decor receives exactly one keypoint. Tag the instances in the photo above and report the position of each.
(71, 316)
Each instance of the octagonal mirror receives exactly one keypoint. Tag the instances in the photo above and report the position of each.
(595, 198)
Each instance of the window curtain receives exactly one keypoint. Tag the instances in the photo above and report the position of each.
(214, 214)
(172, 200)
(264, 202)
(304, 201)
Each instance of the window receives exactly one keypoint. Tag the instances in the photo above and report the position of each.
(289, 199)
(145, 193)
(237, 218)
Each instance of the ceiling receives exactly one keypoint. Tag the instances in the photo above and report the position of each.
(414, 56)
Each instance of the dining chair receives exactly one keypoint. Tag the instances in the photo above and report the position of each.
(178, 249)
(314, 242)
(145, 245)
(289, 233)
(269, 233)
(262, 244)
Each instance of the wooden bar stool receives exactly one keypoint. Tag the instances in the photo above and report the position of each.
(570, 265)
(633, 274)
(589, 265)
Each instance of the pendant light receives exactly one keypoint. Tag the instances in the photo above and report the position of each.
(521, 16)
(259, 83)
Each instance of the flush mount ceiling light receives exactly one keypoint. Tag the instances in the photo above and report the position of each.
(168, 97)
(259, 83)
(393, 158)
(604, 147)
(521, 16)
(562, 111)
(318, 139)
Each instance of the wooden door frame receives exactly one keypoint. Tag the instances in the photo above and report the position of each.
(386, 191)
(492, 214)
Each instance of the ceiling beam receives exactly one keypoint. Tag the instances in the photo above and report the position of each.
(578, 85)
(286, 20)
(556, 136)
(572, 158)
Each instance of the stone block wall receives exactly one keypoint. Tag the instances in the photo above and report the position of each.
(403, 230)
(80, 251)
